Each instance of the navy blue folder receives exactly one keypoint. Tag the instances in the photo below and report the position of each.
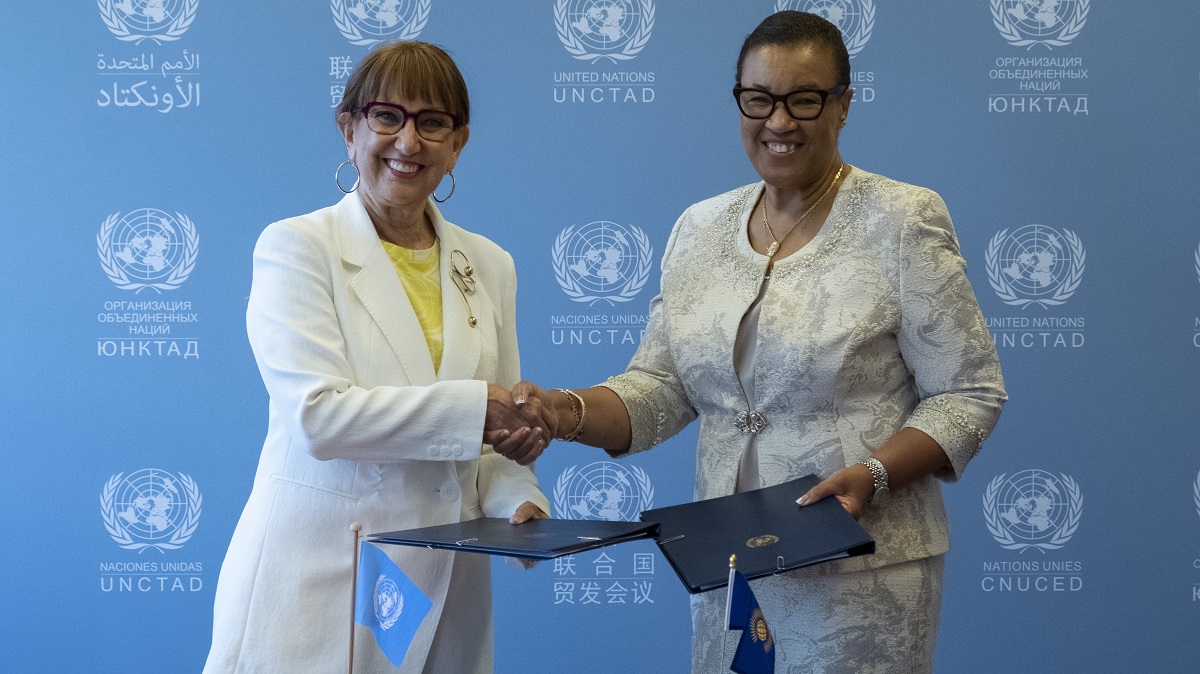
(765, 528)
(535, 539)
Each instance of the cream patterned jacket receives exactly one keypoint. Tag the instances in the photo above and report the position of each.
(871, 327)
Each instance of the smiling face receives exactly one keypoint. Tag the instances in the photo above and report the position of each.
(787, 153)
(399, 171)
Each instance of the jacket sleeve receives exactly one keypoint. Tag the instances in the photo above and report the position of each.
(944, 339)
(651, 387)
(301, 351)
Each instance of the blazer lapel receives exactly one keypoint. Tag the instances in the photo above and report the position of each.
(460, 355)
(381, 292)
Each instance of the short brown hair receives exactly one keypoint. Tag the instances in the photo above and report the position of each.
(416, 69)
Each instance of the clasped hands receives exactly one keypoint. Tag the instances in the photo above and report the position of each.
(518, 430)
(520, 424)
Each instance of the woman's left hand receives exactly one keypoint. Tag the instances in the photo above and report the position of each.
(852, 486)
(527, 511)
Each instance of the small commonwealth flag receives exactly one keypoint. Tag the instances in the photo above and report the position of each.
(755, 652)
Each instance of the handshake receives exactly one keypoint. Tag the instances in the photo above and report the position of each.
(520, 423)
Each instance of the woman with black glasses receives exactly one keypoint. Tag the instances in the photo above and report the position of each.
(819, 321)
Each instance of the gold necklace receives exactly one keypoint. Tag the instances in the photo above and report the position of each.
(774, 247)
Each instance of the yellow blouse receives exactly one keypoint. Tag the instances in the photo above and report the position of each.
(419, 271)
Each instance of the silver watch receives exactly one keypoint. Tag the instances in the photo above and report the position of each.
(880, 476)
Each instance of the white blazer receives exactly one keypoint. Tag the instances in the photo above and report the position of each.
(361, 429)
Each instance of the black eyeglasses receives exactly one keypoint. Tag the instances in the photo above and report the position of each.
(389, 118)
(801, 104)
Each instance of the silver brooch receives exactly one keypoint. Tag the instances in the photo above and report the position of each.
(750, 421)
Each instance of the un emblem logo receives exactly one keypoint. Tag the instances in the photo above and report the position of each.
(369, 21)
(1032, 509)
(603, 491)
(389, 602)
(1035, 265)
(596, 29)
(855, 18)
(1053, 23)
(147, 248)
(762, 541)
(602, 261)
(150, 509)
(157, 20)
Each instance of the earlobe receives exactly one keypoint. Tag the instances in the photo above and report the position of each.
(464, 134)
(346, 126)
(460, 141)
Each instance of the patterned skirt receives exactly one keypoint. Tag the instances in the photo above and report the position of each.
(879, 621)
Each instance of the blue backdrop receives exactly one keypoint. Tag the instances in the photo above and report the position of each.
(147, 143)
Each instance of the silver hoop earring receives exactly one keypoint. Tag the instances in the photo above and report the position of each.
(337, 177)
(453, 185)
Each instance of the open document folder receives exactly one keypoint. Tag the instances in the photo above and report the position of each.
(535, 539)
(765, 528)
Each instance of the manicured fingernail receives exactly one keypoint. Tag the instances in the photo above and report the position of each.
(802, 501)
(504, 433)
(520, 400)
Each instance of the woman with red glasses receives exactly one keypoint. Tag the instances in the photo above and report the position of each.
(386, 338)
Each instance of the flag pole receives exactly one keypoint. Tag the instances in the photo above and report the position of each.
(356, 527)
(728, 606)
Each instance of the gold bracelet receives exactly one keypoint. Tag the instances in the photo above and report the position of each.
(579, 409)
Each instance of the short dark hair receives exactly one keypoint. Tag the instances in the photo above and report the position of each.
(793, 28)
(418, 69)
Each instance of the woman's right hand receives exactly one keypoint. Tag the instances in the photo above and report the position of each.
(594, 416)
(556, 410)
(524, 390)
(517, 432)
